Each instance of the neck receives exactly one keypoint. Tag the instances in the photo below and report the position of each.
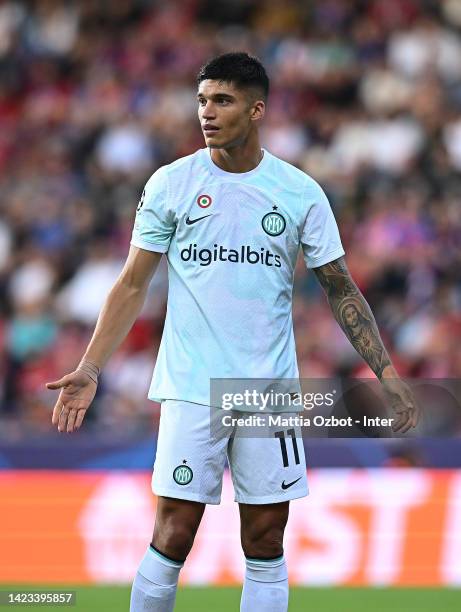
(240, 158)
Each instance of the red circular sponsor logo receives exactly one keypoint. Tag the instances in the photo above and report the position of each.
(204, 200)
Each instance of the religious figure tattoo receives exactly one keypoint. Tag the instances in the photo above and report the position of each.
(353, 313)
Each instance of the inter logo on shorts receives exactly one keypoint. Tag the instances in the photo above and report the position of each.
(204, 200)
(182, 474)
(273, 224)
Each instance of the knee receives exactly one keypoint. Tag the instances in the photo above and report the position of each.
(174, 533)
(262, 541)
(173, 539)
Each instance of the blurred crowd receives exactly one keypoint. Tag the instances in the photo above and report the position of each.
(96, 95)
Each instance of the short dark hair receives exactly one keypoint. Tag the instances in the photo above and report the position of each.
(241, 69)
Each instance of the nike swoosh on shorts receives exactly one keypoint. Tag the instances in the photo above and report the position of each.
(290, 484)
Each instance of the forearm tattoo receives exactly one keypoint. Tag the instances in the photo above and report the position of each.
(353, 314)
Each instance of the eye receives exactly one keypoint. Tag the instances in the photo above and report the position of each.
(201, 101)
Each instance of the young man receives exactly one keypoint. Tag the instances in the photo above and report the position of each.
(231, 218)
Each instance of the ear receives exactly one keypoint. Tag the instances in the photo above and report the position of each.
(257, 110)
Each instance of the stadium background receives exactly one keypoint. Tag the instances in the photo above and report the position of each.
(94, 96)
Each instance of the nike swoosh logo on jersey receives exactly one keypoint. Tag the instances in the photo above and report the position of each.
(190, 221)
(289, 484)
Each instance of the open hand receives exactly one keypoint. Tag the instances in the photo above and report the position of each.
(77, 393)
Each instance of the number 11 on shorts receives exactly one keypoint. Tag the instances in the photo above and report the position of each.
(283, 445)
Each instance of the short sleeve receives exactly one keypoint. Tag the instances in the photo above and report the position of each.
(320, 240)
(154, 222)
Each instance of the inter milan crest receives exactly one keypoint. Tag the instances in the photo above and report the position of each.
(141, 201)
(273, 223)
(182, 474)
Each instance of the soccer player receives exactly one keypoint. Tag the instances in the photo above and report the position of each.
(230, 218)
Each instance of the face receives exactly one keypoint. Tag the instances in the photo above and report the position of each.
(227, 114)
(351, 316)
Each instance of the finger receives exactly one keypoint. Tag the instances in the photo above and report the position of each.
(63, 418)
(414, 417)
(406, 427)
(404, 424)
(399, 418)
(398, 424)
(56, 412)
(80, 417)
(71, 420)
(57, 384)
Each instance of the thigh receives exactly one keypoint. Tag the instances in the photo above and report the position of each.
(189, 462)
(269, 469)
(178, 511)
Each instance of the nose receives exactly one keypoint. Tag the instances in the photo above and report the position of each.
(208, 111)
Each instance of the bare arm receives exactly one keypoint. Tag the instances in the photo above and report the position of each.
(120, 310)
(123, 305)
(356, 319)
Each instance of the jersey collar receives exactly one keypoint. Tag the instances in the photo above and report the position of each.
(216, 170)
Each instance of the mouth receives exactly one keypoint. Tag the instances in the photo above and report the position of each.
(210, 129)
